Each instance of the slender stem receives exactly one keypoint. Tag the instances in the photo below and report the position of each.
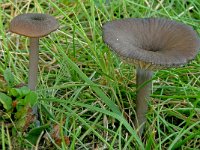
(33, 63)
(144, 85)
(33, 70)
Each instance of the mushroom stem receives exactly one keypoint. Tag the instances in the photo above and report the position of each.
(144, 84)
(33, 63)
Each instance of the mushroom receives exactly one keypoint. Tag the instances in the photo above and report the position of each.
(150, 44)
(34, 26)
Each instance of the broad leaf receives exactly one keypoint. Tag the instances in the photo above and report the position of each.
(31, 98)
(6, 101)
(19, 92)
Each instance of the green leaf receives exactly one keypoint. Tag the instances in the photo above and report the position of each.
(13, 92)
(8, 76)
(19, 92)
(19, 106)
(6, 101)
(33, 135)
(31, 98)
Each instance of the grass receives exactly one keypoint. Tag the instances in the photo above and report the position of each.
(81, 80)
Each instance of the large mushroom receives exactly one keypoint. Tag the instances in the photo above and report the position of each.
(34, 26)
(150, 44)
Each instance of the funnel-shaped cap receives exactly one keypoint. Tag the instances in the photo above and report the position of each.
(152, 43)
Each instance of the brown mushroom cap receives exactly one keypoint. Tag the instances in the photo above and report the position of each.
(152, 43)
(33, 24)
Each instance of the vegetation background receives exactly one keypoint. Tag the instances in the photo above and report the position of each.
(80, 79)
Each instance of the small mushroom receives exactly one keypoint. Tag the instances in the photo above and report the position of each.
(34, 26)
(150, 44)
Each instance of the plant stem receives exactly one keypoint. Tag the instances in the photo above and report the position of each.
(33, 63)
(144, 84)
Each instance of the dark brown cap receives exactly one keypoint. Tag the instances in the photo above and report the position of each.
(33, 24)
(152, 43)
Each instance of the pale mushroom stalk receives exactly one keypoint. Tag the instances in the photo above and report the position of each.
(143, 84)
(33, 63)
